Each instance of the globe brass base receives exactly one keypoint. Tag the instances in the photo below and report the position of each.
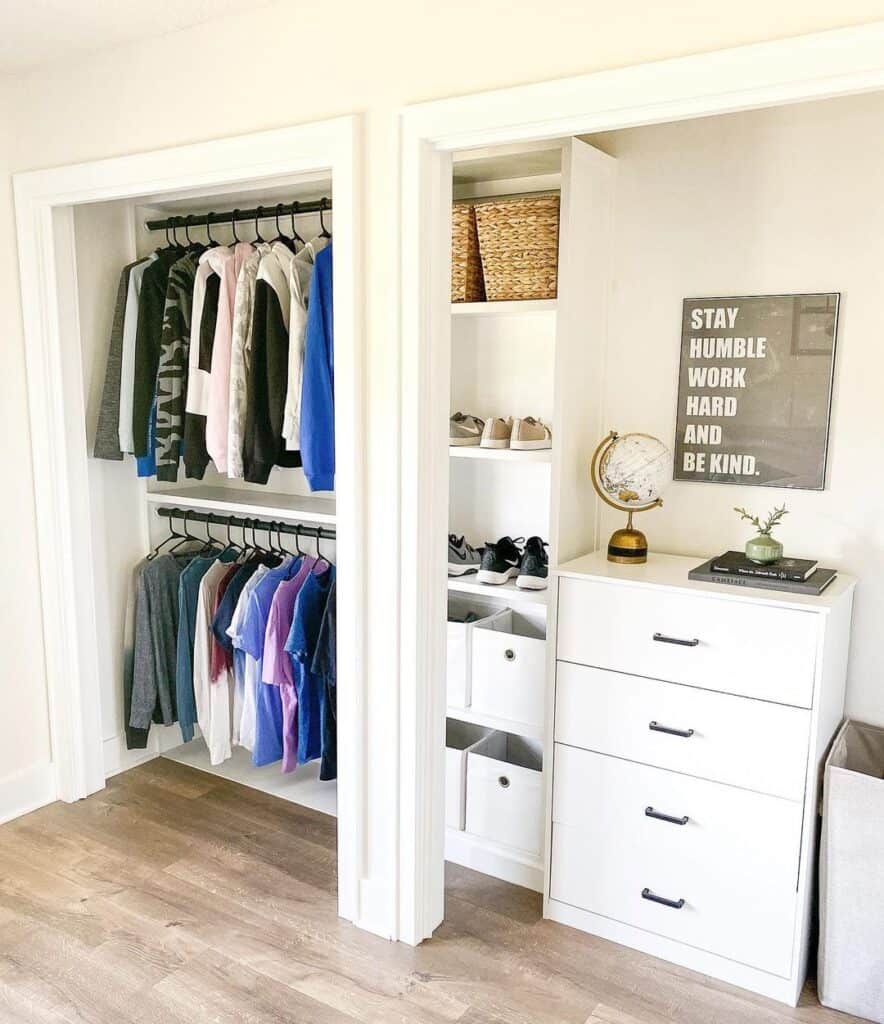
(628, 547)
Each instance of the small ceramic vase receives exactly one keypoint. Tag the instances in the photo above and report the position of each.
(764, 549)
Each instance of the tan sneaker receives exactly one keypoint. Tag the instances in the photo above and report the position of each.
(530, 434)
(497, 432)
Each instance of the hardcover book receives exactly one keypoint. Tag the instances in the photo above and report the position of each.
(813, 586)
(794, 569)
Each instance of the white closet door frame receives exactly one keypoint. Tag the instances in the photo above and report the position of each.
(819, 66)
(45, 202)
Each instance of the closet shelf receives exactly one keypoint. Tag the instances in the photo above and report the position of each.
(532, 731)
(501, 454)
(516, 307)
(509, 593)
(260, 504)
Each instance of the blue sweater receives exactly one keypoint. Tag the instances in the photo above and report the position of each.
(318, 386)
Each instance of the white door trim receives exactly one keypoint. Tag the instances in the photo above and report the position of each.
(44, 210)
(819, 66)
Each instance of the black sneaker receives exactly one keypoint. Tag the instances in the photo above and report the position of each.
(500, 561)
(535, 566)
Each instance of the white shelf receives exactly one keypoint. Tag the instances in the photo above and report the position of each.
(506, 862)
(534, 732)
(518, 307)
(260, 504)
(506, 592)
(500, 454)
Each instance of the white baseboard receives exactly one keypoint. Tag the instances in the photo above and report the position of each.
(26, 791)
(495, 859)
(118, 759)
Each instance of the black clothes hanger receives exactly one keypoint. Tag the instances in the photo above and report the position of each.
(324, 205)
(191, 244)
(296, 208)
(280, 237)
(258, 237)
(166, 540)
(301, 553)
(211, 241)
(233, 218)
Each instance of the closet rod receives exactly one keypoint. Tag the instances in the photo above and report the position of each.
(195, 220)
(215, 519)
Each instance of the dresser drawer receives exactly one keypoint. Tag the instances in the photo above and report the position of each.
(732, 646)
(733, 863)
(748, 743)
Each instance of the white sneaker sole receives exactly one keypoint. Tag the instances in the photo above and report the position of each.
(459, 569)
(501, 443)
(463, 442)
(497, 578)
(530, 446)
(531, 583)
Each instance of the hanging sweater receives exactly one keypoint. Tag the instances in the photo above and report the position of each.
(218, 405)
(263, 444)
(206, 287)
(318, 388)
(241, 357)
(107, 433)
(172, 372)
(148, 343)
(300, 276)
(127, 356)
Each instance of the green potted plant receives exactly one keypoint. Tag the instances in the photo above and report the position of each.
(763, 548)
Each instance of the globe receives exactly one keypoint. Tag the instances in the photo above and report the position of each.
(629, 472)
(635, 469)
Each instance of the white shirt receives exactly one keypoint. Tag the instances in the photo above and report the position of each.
(127, 364)
(211, 262)
(212, 699)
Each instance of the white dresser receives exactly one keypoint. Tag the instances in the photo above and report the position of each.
(689, 728)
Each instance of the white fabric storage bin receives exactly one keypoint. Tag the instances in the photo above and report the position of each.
(851, 952)
(504, 791)
(509, 670)
(460, 737)
(460, 647)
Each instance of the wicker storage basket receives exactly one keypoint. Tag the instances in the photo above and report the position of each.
(466, 266)
(519, 245)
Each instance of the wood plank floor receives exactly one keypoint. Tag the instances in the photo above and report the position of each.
(176, 897)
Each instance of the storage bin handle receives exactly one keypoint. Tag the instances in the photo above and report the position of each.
(504, 782)
(660, 816)
(661, 638)
(654, 898)
(509, 654)
(684, 733)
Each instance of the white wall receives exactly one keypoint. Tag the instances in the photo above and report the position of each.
(773, 201)
(308, 62)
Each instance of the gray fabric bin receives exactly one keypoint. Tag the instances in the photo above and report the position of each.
(851, 953)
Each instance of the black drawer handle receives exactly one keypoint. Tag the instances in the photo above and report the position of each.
(660, 816)
(684, 733)
(661, 638)
(654, 898)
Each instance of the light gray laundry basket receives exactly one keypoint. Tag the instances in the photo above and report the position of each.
(851, 953)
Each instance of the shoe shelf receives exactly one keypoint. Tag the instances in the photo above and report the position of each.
(239, 501)
(504, 308)
(500, 454)
(507, 592)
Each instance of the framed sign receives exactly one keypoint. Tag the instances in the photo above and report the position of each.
(755, 389)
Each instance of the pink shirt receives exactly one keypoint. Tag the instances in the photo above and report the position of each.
(218, 409)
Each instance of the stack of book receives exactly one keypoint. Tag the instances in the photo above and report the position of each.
(796, 575)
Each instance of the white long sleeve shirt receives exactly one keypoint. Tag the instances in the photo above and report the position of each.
(212, 699)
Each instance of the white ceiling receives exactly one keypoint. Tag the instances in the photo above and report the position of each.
(38, 32)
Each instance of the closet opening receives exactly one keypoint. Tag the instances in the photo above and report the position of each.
(210, 423)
